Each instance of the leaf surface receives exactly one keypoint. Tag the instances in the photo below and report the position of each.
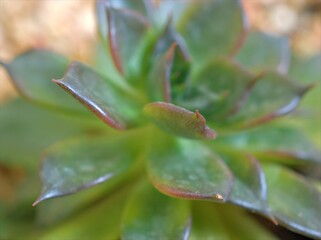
(225, 222)
(26, 130)
(262, 51)
(179, 121)
(126, 29)
(294, 201)
(272, 96)
(100, 221)
(218, 90)
(32, 73)
(152, 215)
(249, 186)
(186, 169)
(206, 40)
(100, 96)
(272, 141)
(72, 166)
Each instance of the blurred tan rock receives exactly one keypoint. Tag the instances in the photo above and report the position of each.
(66, 26)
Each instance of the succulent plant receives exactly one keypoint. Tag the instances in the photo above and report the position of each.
(188, 95)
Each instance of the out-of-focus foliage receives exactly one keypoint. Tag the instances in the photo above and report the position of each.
(188, 97)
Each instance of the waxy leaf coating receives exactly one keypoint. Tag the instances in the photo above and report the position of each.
(179, 121)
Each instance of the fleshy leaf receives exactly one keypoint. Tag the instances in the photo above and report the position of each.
(137, 5)
(272, 96)
(218, 90)
(225, 222)
(72, 166)
(126, 29)
(186, 169)
(159, 80)
(272, 142)
(179, 121)
(152, 215)
(32, 72)
(100, 96)
(175, 59)
(307, 70)
(249, 186)
(100, 221)
(25, 130)
(262, 51)
(206, 40)
(293, 201)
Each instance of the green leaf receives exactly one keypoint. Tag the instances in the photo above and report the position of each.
(187, 169)
(272, 96)
(293, 201)
(170, 60)
(305, 70)
(206, 40)
(126, 29)
(159, 79)
(69, 167)
(26, 130)
(179, 121)
(262, 51)
(218, 90)
(249, 187)
(32, 73)
(100, 96)
(137, 5)
(225, 222)
(100, 221)
(272, 142)
(152, 215)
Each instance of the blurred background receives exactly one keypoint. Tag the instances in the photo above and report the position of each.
(68, 27)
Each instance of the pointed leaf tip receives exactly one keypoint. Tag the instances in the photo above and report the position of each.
(71, 166)
(179, 121)
(100, 96)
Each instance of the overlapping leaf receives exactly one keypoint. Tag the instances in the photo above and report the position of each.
(218, 90)
(151, 215)
(186, 169)
(32, 73)
(272, 142)
(126, 29)
(171, 64)
(71, 167)
(272, 96)
(294, 201)
(205, 39)
(100, 96)
(249, 187)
